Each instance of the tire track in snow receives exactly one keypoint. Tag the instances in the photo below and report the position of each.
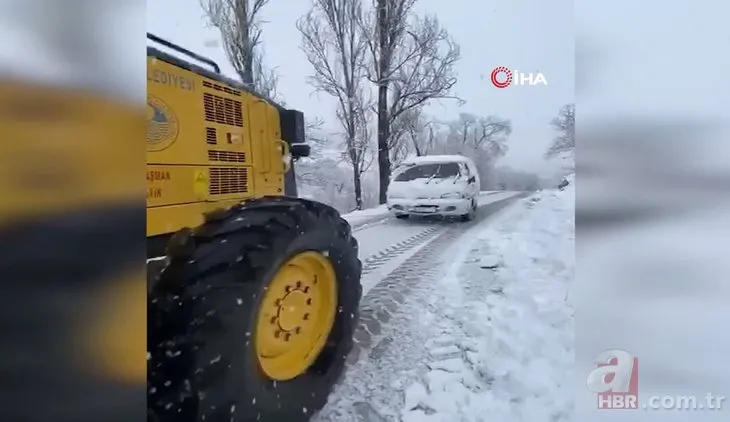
(381, 262)
(451, 369)
(480, 368)
(400, 317)
(373, 262)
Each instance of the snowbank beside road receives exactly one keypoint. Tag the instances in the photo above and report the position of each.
(362, 217)
(512, 312)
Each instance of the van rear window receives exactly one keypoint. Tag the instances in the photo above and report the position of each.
(427, 171)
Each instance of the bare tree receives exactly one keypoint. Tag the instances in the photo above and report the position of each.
(425, 67)
(307, 171)
(399, 130)
(363, 142)
(488, 134)
(564, 123)
(385, 33)
(239, 24)
(413, 62)
(265, 80)
(335, 47)
(484, 139)
(313, 135)
(413, 131)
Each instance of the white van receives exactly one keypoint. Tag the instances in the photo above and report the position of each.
(445, 185)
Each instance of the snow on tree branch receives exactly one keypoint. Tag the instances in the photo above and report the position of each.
(486, 134)
(419, 132)
(388, 23)
(424, 67)
(564, 124)
(411, 62)
(334, 45)
(239, 24)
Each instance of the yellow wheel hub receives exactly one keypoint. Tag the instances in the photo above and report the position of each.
(296, 316)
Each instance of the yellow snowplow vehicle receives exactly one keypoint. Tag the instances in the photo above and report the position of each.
(253, 314)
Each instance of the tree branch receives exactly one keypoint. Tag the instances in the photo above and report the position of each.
(426, 69)
(239, 25)
(334, 45)
(564, 124)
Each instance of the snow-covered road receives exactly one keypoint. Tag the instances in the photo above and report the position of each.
(386, 242)
(468, 322)
(378, 215)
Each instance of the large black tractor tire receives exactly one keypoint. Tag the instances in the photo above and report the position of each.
(202, 364)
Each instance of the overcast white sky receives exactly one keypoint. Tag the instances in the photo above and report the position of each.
(529, 35)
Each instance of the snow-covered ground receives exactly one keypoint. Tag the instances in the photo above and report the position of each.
(370, 215)
(486, 333)
(383, 238)
(516, 322)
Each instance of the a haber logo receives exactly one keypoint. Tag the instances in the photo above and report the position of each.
(502, 77)
(616, 380)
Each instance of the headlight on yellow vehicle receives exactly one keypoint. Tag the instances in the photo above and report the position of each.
(452, 195)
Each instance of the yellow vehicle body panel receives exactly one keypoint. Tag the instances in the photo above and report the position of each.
(209, 144)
